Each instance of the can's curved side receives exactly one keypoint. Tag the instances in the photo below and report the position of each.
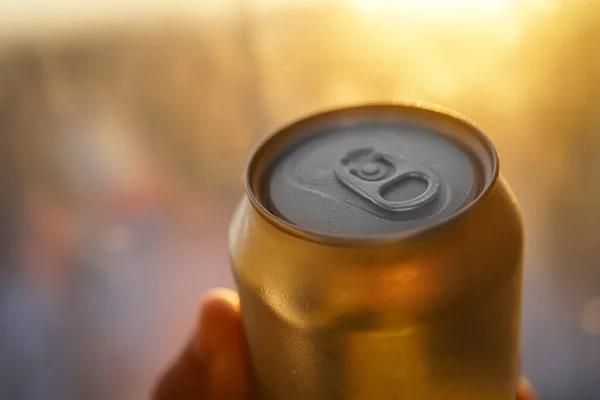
(433, 316)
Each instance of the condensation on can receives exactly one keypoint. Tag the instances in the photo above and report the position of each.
(378, 255)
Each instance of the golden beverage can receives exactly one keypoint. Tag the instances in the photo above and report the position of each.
(378, 255)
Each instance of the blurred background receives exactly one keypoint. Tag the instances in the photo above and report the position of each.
(125, 127)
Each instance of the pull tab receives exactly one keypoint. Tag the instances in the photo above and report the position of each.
(368, 172)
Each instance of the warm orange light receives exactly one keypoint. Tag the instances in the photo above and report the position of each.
(439, 8)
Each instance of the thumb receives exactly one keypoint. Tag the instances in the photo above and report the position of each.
(525, 391)
(213, 365)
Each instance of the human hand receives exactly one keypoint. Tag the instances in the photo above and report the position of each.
(214, 365)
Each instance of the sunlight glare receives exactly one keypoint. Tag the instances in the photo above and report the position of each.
(438, 8)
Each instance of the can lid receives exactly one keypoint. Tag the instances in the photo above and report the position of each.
(371, 170)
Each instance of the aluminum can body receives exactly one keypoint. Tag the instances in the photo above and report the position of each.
(423, 311)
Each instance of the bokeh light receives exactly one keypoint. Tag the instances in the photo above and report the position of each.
(126, 127)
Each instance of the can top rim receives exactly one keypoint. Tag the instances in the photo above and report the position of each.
(416, 107)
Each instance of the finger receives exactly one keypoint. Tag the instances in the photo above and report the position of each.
(227, 345)
(187, 378)
(213, 364)
(525, 390)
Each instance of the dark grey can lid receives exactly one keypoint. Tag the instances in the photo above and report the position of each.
(372, 170)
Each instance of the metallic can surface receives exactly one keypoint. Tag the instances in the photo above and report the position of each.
(378, 255)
